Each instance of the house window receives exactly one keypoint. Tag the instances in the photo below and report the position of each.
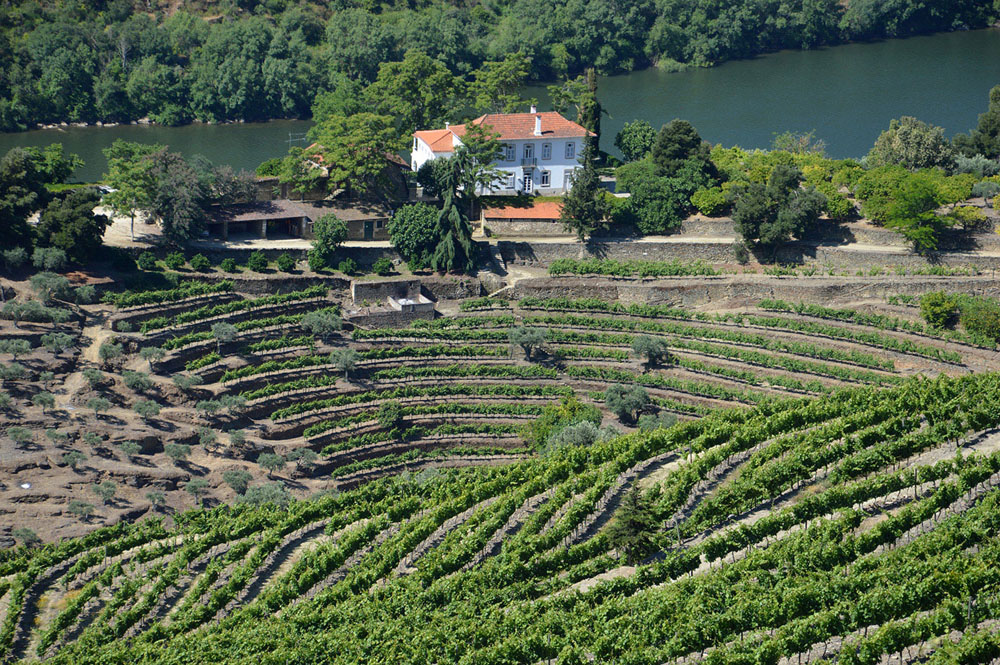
(508, 152)
(529, 150)
(546, 151)
(568, 178)
(544, 180)
(379, 224)
(570, 150)
(510, 181)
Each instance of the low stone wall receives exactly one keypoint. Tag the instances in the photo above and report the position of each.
(524, 227)
(829, 256)
(544, 253)
(387, 318)
(380, 289)
(747, 290)
(252, 283)
(364, 256)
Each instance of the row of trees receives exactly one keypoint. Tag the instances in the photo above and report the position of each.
(910, 172)
(116, 61)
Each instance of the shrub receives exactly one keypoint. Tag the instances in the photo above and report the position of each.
(124, 326)
(48, 258)
(579, 434)
(347, 266)
(229, 265)
(555, 417)
(110, 351)
(200, 263)
(286, 263)
(85, 295)
(137, 381)
(129, 448)
(321, 323)
(382, 267)
(711, 202)
(390, 414)
(146, 261)
(257, 262)
(270, 493)
(174, 260)
(14, 258)
(649, 422)
(981, 316)
(238, 479)
(986, 189)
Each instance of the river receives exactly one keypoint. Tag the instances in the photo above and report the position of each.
(847, 94)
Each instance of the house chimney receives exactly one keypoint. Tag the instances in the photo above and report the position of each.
(534, 109)
(447, 124)
(538, 125)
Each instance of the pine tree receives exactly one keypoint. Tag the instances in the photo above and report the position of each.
(632, 530)
(584, 208)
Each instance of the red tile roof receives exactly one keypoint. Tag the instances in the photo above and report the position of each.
(511, 126)
(546, 210)
(438, 139)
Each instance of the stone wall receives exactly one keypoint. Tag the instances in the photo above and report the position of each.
(746, 290)
(827, 256)
(524, 227)
(381, 289)
(386, 318)
(544, 253)
(252, 283)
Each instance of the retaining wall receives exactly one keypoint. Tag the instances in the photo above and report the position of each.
(747, 290)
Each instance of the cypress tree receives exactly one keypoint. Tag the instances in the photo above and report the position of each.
(584, 208)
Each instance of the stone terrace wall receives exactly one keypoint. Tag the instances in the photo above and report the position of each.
(746, 290)
(841, 257)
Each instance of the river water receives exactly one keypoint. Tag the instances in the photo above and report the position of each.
(846, 94)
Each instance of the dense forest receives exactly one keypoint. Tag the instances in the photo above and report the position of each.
(119, 60)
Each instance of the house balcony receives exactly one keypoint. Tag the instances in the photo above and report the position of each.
(529, 161)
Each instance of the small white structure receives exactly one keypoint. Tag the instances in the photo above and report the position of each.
(414, 303)
(541, 150)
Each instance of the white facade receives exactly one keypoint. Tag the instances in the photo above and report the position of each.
(538, 166)
(536, 159)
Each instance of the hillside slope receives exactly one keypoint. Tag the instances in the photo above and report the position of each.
(853, 526)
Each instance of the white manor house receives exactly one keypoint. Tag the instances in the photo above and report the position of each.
(540, 150)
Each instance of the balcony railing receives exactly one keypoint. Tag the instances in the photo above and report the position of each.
(529, 161)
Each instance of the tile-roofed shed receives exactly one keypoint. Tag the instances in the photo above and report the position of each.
(513, 126)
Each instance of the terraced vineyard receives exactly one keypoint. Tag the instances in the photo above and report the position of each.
(826, 493)
(849, 527)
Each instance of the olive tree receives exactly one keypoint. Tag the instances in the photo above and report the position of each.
(271, 462)
(177, 452)
(344, 359)
(105, 490)
(654, 349)
(130, 449)
(626, 402)
(528, 338)
(73, 458)
(322, 323)
(152, 354)
(156, 498)
(99, 405)
(223, 333)
(238, 479)
(147, 409)
(81, 509)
